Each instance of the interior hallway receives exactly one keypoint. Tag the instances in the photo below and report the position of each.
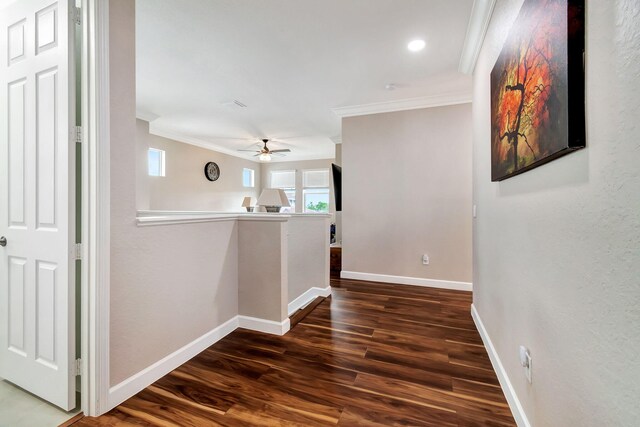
(372, 354)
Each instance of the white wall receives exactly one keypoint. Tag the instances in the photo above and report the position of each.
(262, 277)
(185, 187)
(406, 191)
(308, 257)
(557, 249)
(163, 293)
(299, 166)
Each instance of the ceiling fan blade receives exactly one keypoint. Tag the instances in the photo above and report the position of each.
(253, 151)
(277, 154)
(284, 150)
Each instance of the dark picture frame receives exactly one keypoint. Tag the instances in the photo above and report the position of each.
(537, 88)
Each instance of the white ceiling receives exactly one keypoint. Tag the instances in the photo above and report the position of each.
(291, 62)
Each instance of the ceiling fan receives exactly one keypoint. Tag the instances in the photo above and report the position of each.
(265, 153)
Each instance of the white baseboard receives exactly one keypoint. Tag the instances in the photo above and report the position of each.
(136, 383)
(404, 280)
(307, 297)
(507, 388)
(262, 325)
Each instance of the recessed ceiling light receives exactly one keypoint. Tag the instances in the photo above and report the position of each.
(416, 45)
(390, 86)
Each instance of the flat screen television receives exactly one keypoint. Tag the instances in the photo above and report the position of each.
(337, 185)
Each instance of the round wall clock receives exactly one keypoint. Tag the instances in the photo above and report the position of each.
(211, 171)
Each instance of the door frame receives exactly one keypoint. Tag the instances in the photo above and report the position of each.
(95, 207)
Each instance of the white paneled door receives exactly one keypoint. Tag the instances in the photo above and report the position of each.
(37, 213)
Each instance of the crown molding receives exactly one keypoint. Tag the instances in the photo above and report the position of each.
(442, 100)
(169, 134)
(155, 129)
(476, 30)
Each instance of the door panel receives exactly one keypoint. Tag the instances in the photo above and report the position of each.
(16, 152)
(45, 149)
(16, 299)
(37, 213)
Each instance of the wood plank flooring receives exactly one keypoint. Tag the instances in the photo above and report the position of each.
(373, 354)
(296, 317)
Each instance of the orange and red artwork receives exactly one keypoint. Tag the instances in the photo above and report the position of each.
(537, 88)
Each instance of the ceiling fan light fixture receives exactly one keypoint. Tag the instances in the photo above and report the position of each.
(265, 157)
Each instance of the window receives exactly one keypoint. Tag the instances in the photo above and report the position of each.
(315, 193)
(283, 179)
(286, 180)
(318, 178)
(316, 200)
(291, 195)
(156, 162)
(248, 177)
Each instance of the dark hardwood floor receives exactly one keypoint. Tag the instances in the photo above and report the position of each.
(373, 354)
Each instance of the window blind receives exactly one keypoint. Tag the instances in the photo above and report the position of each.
(315, 178)
(283, 179)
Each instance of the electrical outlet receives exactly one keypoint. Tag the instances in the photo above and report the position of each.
(527, 371)
(425, 259)
(526, 362)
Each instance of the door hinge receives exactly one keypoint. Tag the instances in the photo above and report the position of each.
(77, 15)
(78, 251)
(78, 134)
(78, 367)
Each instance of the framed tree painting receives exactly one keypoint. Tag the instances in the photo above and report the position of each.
(537, 88)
